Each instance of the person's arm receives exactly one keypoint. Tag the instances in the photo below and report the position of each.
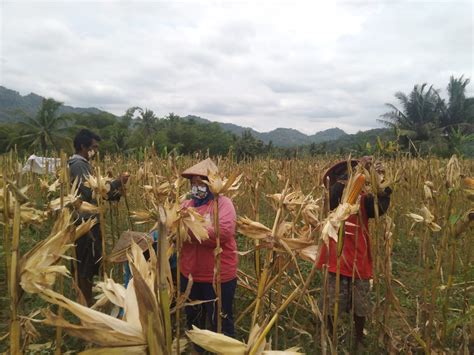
(383, 199)
(227, 221)
(114, 194)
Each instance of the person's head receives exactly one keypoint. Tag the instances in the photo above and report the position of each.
(335, 179)
(199, 189)
(86, 143)
(197, 174)
(337, 173)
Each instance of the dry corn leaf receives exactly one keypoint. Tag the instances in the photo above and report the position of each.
(84, 227)
(99, 185)
(428, 190)
(196, 223)
(335, 219)
(453, 171)
(38, 267)
(426, 217)
(102, 332)
(310, 214)
(215, 342)
(219, 185)
(96, 327)
(86, 207)
(291, 351)
(309, 253)
(186, 219)
(133, 350)
(253, 229)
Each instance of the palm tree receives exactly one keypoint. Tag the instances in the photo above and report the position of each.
(458, 114)
(419, 114)
(47, 130)
(147, 121)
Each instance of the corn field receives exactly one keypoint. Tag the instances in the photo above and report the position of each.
(422, 289)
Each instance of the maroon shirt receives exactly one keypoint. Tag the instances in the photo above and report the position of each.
(355, 257)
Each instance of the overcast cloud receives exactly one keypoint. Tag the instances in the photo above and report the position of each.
(263, 64)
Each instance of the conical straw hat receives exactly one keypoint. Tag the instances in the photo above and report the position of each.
(336, 170)
(119, 253)
(201, 169)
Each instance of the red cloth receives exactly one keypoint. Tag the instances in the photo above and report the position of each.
(355, 255)
(197, 258)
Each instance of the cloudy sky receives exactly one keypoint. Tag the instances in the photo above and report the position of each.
(306, 65)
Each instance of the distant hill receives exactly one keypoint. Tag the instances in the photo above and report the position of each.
(280, 137)
(12, 103)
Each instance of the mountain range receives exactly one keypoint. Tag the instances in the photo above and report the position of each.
(14, 107)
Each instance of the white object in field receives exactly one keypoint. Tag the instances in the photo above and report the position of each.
(41, 165)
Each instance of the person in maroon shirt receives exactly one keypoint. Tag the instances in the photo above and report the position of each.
(197, 258)
(355, 260)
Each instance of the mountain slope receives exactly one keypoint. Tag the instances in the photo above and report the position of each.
(280, 137)
(13, 105)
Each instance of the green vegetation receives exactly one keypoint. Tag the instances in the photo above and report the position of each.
(422, 122)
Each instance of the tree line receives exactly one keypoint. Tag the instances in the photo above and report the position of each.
(422, 122)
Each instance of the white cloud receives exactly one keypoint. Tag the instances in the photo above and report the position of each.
(261, 64)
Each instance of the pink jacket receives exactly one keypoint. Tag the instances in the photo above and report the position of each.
(197, 258)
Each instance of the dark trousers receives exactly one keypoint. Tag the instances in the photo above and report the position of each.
(89, 253)
(198, 314)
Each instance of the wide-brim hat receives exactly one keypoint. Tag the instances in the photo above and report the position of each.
(119, 252)
(337, 170)
(200, 169)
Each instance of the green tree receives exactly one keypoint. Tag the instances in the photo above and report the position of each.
(47, 130)
(458, 114)
(147, 121)
(419, 114)
(247, 146)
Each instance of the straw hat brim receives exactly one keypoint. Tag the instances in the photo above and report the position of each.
(337, 170)
(200, 169)
(119, 252)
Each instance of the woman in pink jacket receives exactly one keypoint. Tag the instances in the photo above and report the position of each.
(197, 258)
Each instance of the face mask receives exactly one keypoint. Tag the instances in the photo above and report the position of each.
(199, 192)
(91, 154)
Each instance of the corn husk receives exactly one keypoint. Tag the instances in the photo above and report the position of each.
(222, 344)
(253, 229)
(428, 190)
(71, 200)
(425, 217)
(219, 185)
(185, 220)
(28, 213)
(96, 327)
(215, 342)
(291, 200)
(335, 219)
(99, 185)
(453, 172)
(138, 301)
(84, 228)
(310, 214)
(38, 269)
